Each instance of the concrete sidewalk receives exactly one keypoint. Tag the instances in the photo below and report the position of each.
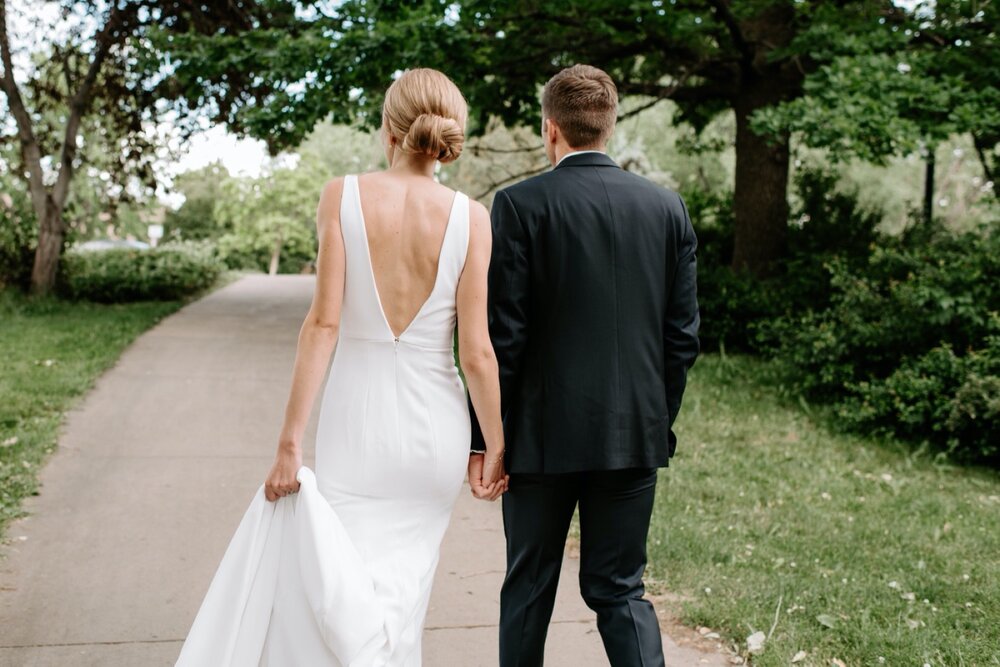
(155, 468)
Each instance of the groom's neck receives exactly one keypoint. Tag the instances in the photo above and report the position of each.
(562, 150)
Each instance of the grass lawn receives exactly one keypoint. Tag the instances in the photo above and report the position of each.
(843, 547)
(52, 351)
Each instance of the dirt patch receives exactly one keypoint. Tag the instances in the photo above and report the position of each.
(700, 638)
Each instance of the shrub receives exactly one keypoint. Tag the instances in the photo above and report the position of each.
(170, 271)
(18, 238)
(913, 295)
(939, 396)
(732, 304)
(908, 345)
(829, 226)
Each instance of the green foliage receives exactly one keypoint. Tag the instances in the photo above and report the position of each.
(899, 333)
(907, 344)
(729, 301)
(952, 399)
(18, 235)
(939, 77)
(269, 221)
(499, 53)
(195, 219)
(871, 106)
(170, 271)
(828, 225)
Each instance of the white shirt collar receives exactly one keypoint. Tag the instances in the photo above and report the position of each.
(576, 153)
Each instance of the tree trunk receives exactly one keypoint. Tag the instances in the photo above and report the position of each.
(275, 256)
(929, 186)
(51, 234)
(760, 201)
(985, 146)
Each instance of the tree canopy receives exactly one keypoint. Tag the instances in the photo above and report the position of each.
(863, 78)
(743, 55)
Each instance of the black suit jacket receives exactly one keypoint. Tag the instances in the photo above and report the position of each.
(593, 315)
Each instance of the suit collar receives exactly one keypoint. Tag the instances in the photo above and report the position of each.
(587, 160)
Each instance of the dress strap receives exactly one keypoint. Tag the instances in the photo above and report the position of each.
(457, 246)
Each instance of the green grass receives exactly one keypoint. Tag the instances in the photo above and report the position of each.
(52, 350)
(874, 554)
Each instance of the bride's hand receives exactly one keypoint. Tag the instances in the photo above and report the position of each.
(477, 479)
(493, 471)
(281, 480)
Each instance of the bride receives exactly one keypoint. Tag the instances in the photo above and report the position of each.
(335, 567)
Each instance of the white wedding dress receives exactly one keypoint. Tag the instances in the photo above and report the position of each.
(340, 573)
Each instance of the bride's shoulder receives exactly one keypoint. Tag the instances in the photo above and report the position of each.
(334, 185)
(477, 211)
(329, 199)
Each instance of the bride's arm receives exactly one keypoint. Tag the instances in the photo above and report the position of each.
(317, 339)
(475, 351)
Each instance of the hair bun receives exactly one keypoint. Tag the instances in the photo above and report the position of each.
(435, 135)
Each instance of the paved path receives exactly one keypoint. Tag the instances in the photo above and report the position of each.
(155, 468)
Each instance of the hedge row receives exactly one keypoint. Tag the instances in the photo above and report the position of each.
(170, 271)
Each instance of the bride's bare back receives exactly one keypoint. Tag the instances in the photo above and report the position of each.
(405, 218)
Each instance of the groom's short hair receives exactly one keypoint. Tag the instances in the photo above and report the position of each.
(583, 101)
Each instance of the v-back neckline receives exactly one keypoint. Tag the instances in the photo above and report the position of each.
(371, 264)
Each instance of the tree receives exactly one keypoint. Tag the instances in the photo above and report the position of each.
(101, 60)
(195, 218)
(267, 216)
(942, 81)
(744, 55)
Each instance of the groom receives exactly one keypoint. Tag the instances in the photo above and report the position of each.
(594, 318)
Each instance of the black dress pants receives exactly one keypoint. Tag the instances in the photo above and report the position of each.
(615, 508)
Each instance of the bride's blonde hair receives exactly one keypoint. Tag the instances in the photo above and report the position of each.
(426, 113)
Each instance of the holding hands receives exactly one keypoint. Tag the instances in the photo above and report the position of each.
(487, 476)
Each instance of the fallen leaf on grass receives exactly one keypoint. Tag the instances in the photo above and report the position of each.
(838, 663)
(799, 657)
(826, 620)
(755, 642)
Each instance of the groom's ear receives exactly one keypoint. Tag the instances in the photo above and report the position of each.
(550, 130)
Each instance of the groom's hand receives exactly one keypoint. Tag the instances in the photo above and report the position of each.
(480, 489)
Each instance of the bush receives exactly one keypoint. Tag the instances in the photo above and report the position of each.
(18, 238)
(167, 272)
(912, 296)
(908, 344)
(732, 304)
(940, 396)
(899, 333)
(729, 301)
(828, 226)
